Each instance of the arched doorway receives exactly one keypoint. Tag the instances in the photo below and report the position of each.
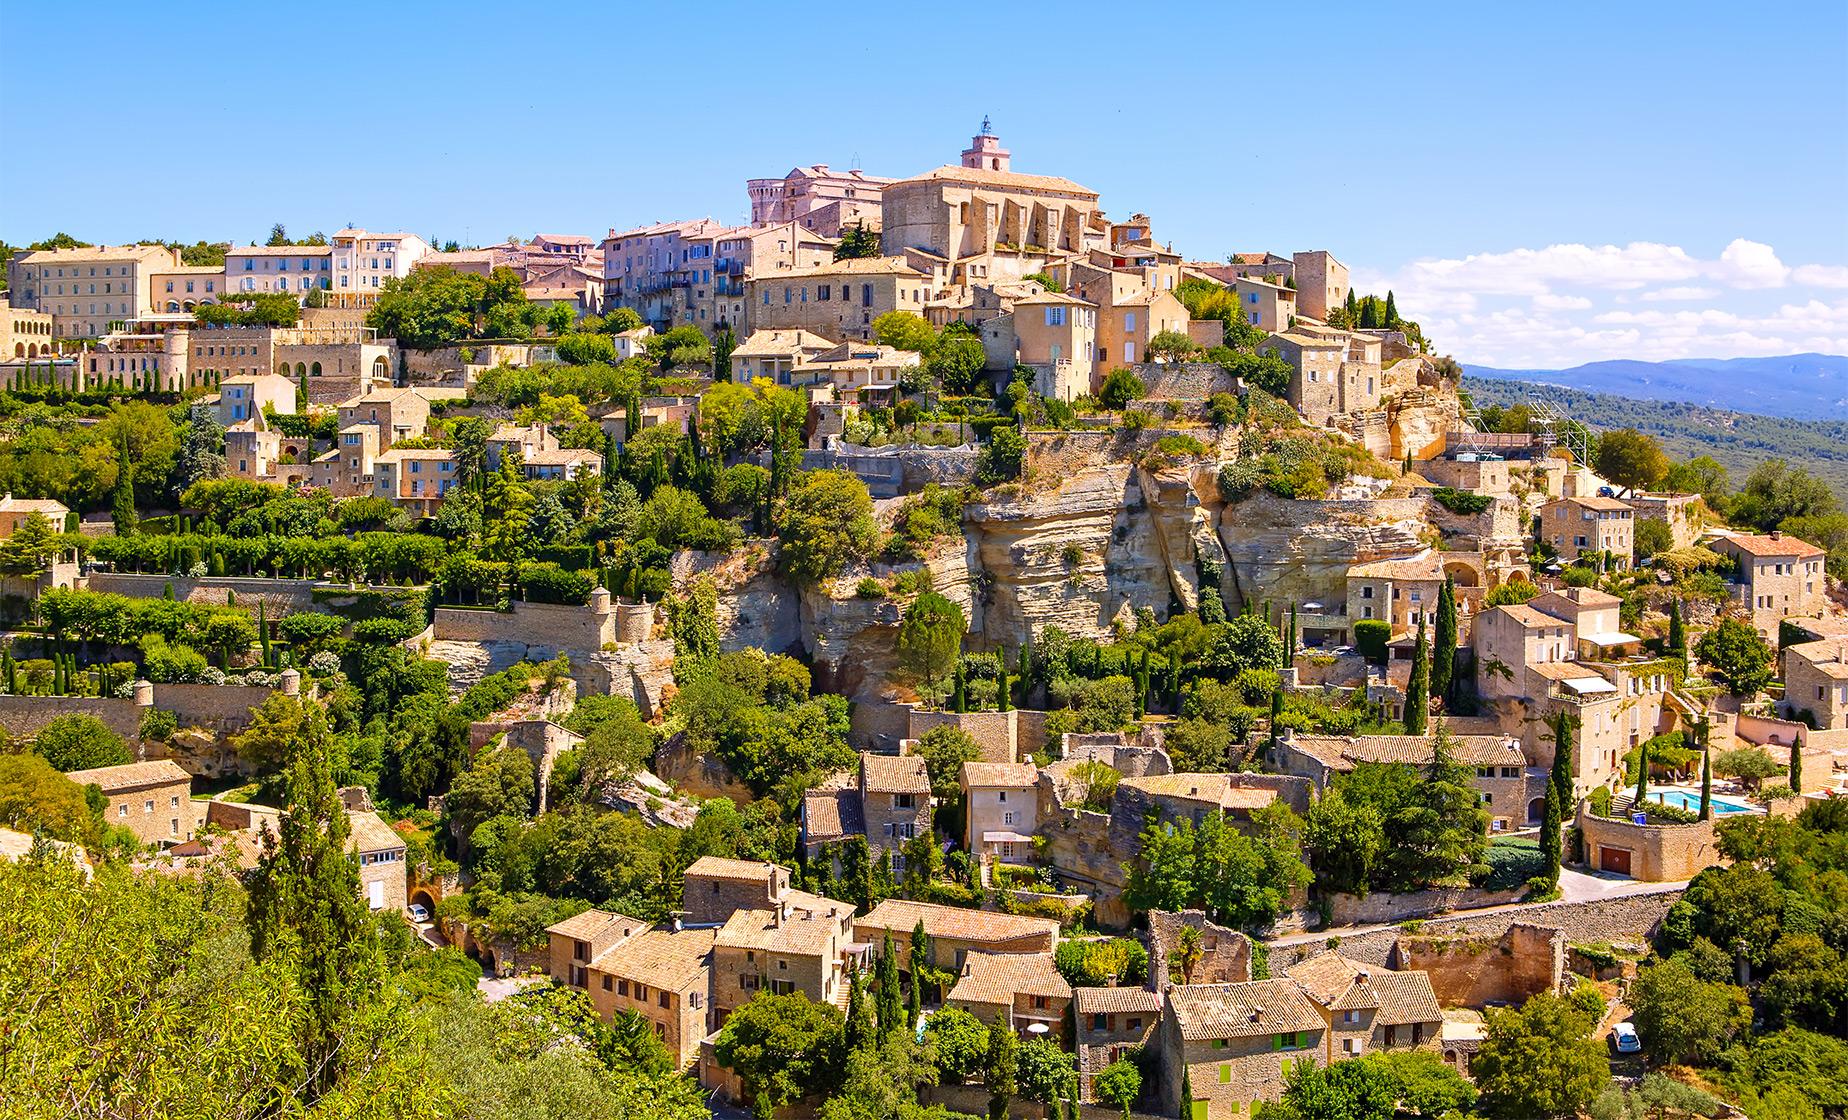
(381, 367)
(1536, 809)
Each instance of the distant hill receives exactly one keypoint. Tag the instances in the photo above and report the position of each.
(1738, 440)
(1803, 386)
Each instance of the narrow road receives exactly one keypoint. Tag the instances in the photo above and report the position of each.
(1574, 886)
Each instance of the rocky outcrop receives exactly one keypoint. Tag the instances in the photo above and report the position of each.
(1283, 551)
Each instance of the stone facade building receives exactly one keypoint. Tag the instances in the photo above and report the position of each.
(1110, 1023)
(1576, 526)
(1231, 1042)
(838, 300)
(796, 944)
(625, 965)
(1367, 1008)
(87, 291)
(151, 799)
(954, 932)
(1778, 577)
(1022, 989)
(1000, 802)
(25, 333)
(1321, 283)
(818, 197)
(383, 873)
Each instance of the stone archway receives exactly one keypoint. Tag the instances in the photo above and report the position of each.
(1536, 809)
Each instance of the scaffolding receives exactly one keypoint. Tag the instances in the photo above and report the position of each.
(1556, 428)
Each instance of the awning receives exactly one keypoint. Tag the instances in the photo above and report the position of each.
(1005, 838)
(1588, 685)
(1604, 640)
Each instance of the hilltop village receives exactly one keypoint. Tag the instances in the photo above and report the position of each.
(932, 650)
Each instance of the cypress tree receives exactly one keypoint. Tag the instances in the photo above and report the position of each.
(1444, 652)
(1004, 700)
(959, 699)
(1174, 681)
(263, 637)
(1187, 1101)
(1706, 774)
(1642, 773)
(1024, 667)
(1677, 636)
(1418, 691)
(889, 1002)
(920, 960)
(999, 1067)
(1558, 790)
(1392, 311)
(1796, 765)
(1276, 715)
(1289, 644)
(306, 911)
(9, 669)
(862, 1026)
(122, 503)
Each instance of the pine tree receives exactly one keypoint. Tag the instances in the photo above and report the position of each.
(890, 1002)
(1444, 652)
(122, 507)
(305, 911)
(1418, 691)
(1677, 636)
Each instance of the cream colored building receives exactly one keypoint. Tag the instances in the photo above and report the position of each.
(363, 261)
(1023, 990)
(187, 287)
(292, 269)
(1269, 307)
(1402, 591)
(818, 197)
(984, 211)
(86, 291)
(151, 799)
(1056, 335)
(25, 333)
(775, 353)
(837, 301)
(15, 511)
(248, 395)
(416, 480)
(398, 414)
(384, 876)
(1778, 577)
(1000, 809)
(1816, 682)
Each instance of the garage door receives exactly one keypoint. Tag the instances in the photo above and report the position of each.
(1615, 860)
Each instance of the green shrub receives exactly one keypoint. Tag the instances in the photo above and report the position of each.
(1463, 502)
(1370, 638)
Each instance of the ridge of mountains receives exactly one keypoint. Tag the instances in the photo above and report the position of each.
(1798, 386)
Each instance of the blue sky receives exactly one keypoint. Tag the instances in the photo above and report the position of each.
(1459, 152)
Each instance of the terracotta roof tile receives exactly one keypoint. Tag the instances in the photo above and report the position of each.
(901, 917)
(1255, 1007)
(133, 775)
(999, 977)
(1106, 1001)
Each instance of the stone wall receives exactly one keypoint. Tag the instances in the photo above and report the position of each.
(1628, 918)
(542, 626)
(890, 471)
(1380, 906)
(278, 594)
(1168, 381)
(23, 716)
(1224, 954)
(1656, 853)
(1472, 971)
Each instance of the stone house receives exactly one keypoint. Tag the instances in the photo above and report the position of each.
(1056, 335)
(562, 463)
(775, 353)
(1197, 796)
(715, 888)
(1651, 853)
(1321, 283)
(346, 469)
(1595, 617)
(818, 197)
(240, 398)
(1232, 1044)
(1475, 471)
(1400, 590)
(252, 449)
(985, 210)
(1510, 641)
(1269, 307)
(1315, 372)
(398, 414)
(25, 334)
(1110, 1023)
(416, 479)
(797, 944)
(838, 300)
(662, 973)
(1367, 1008)
(525, 439)
(1000, 809)
(15, 511)
(1778, 577)
(1511, 790)
(153, 800)
(889, 804)
(1023, 989)
(1680, 512)
(383, 873)
(1816, 682)
(1575, 526)
(955, 932)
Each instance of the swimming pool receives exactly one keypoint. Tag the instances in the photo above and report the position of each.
(1682, 799)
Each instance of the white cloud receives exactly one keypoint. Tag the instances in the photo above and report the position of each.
(1821, 275)
(1750, 264)
(1566, 304)
(1678, 294)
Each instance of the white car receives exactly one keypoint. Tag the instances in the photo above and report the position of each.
(1624, 1040)
(418, 913)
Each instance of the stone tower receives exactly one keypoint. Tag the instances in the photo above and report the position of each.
(985, 151)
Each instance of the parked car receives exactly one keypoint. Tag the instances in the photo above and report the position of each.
(418, 913)
(1624, 1040)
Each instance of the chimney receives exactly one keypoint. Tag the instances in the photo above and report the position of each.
(1777, 534)
(1362, 976)
(1257, 1013)
(679, 918)
(782, 911)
